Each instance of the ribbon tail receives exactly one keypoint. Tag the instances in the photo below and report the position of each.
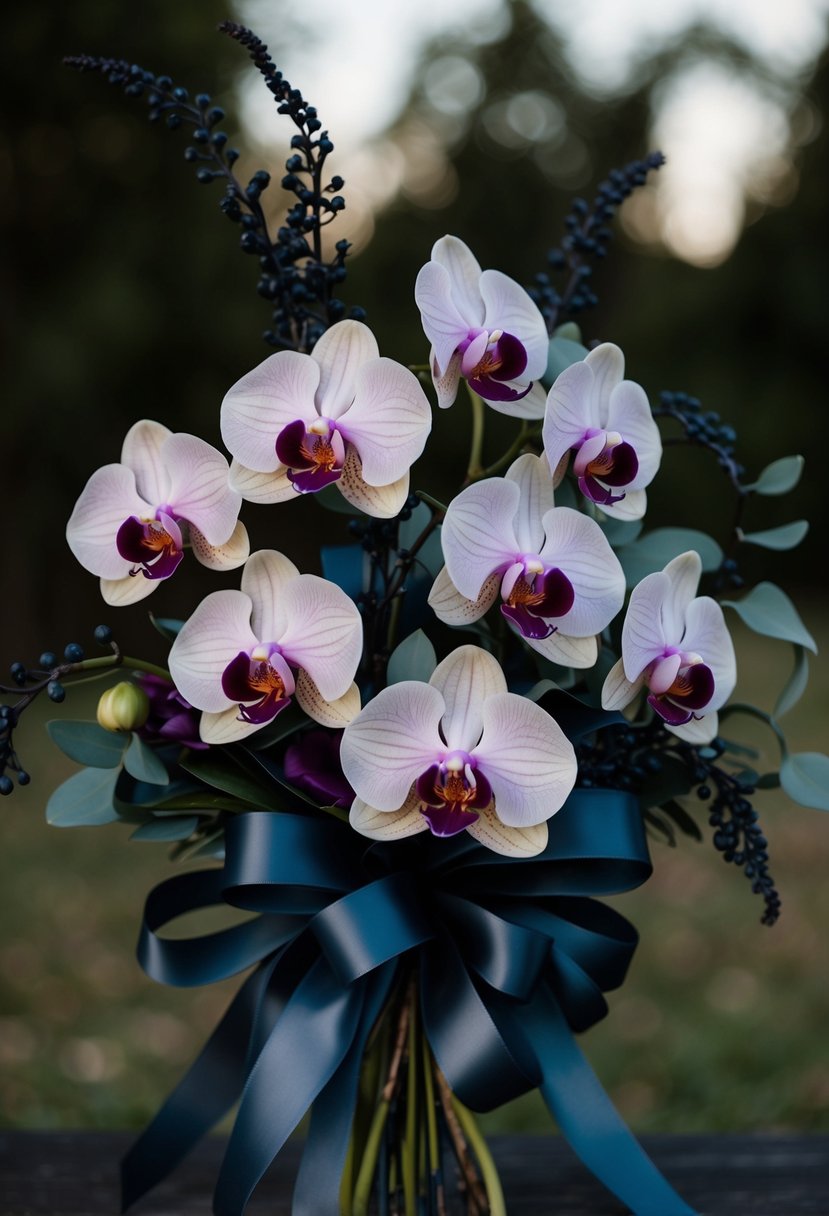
(317, 1189)
(589, 1121)
(209, 1088)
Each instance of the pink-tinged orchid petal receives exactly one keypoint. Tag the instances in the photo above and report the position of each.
(566, 651)
(388, 421)
(569, 414)
(630, 414)
(199, 488)
(446, 383)
(323, 633)
(336, 714)
(531, 407)
(643, 633)
(278, 391)
(388, 825)
(706, 634)
(452, 608)
(232, 554)
(341, 352)
(528, 760)
(631, 507)
(108, 499)
(443, 323)
(466, 678)
(218, 630)
(579, 548)
(607, 363)
(488, 830)
(510, 308)
(664, 673)
(474, 353)
(381, 502)
(142, 452)
(588, 451)
(225, 727)
(478, 535)
(265, 579)
(263, 488)
(118, 592)
(532, 476)
(699, 730)
(464, 274)
(391, 742)
(683, 574)
(618, 691)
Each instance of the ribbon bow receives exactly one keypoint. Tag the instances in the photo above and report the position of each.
(512, 957)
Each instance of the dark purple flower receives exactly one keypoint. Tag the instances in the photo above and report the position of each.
(171, 719)
(312, 764)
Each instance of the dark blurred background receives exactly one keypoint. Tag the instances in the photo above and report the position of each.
(125, 295)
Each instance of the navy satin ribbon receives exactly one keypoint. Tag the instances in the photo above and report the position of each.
(512, 956)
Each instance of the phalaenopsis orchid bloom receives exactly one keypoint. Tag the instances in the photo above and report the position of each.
(607, 422)
(341, 415)
(559, 581)
(243, 655)
(135, 518)
(460, 753)
(676, 645)
(483, 327)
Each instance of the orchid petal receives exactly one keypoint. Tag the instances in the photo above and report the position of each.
(337, 714)
(261, 487)
(226, 727)
(699, 730)
(265, 579)
(527, 759)
(569, 414)
(388, 825)
(529, 405)
(664, 673)
(233, 553)
(216, 632)
(466, 679)
(465, 276)
(118, 592)
(631, 507)
(510, 308)
(488, 830)
(278, 391)
(532, 476)
(381, 502)
(391, 742)
(683, 574)
(617, 690)
(446, 384)
(108, 498)
(630, 414)
(141, 452)
(566, 651)
(579, 548)
(706, 634)
(388, 422)
(478, 536)
(341, 352)
(199, 487)
(323, 633)
(443, 322)
(643, 633)
(452, 608)
(607, 363)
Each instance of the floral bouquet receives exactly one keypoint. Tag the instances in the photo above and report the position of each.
(419, 769)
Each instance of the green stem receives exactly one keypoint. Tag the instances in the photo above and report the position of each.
(492, 1183)
(526, 433)
(151, 668)
(365, 1176)
(410, 1145)
(434, 503)
(475, 469)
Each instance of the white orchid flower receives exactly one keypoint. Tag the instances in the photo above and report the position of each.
(459, 753)
(340, 415)
(677, 646)
(559, 580)
(483, 326)
(608, 423)
(243, 655)
(134, 518)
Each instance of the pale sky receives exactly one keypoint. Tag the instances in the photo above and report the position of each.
(356, 57)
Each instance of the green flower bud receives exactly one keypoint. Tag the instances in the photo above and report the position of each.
(124, 707)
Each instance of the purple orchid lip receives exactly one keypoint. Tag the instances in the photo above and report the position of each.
(691, 691)
(532, 602)
(449, 799)
(489, 362)
(154, 546)
(314, 459)
(267, 682)
(614, 465)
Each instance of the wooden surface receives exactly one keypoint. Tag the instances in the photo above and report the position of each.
(76, 1174)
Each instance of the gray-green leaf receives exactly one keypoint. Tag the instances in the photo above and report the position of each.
(768, 610)
(175, 827)
(87, 799)
(655, 549)
(562, 353)
(88, 743)
(787, 536)
(795, 686)
(143, 764)
(805, 778)
(414, 659)
(779, 477)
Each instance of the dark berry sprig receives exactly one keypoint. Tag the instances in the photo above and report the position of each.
(588, 234)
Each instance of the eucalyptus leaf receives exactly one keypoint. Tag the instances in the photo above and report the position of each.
(87, 799)
(574, 717)
(166, 626)
(219, 770)
(795, 686)
(779, 477)
(143, 764)
(413, 659)
(619, 532)
(786, 536)
(174, 827)
(562, 352)
(661, 826)
(568, 330)
(412, 527)
(768, 781)
(805, 778)
(768, 610)
(88, 743)
(655, 549)
(685, 822)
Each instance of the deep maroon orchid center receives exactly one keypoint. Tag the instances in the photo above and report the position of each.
(451, 793)
(604, 460)
(313, 455)
(260, 682)
(690, 689)
(534, 595)
(154, 545)
(490, 359)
